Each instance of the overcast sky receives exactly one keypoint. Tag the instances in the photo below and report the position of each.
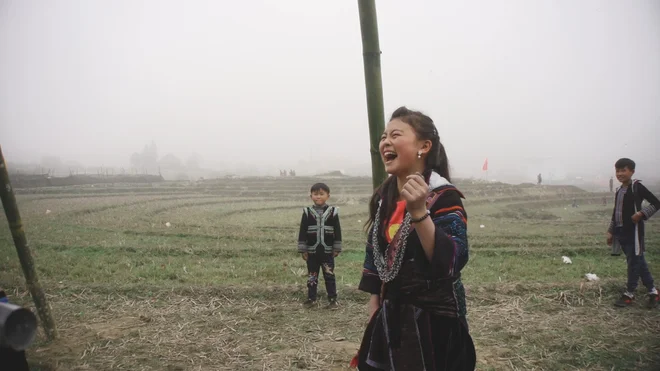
(558, 85)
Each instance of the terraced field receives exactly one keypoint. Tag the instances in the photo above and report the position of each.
(205, 277)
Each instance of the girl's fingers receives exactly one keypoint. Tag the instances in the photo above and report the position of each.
(416, 176)
(410, 191)
(417, 179)
(415, 182)
(405, 194)
(415, 188)
(412, 195)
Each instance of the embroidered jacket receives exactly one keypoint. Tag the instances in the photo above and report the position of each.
(319, 228)
(449, 256)
(631, 204)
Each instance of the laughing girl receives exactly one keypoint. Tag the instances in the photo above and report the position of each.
(415, 251)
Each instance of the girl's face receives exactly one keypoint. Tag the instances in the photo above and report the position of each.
(398, 148)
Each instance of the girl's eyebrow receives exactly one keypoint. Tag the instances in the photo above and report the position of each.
(393, 130)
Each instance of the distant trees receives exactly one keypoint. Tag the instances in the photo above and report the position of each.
(52, 164)
(169, 161)
(147, 159)
(194, 161)
(136, 160)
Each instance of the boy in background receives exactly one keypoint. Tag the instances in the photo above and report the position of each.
(626, 230)
(319, 242)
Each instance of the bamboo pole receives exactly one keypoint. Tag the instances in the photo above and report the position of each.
(23, 250)
(374, 85)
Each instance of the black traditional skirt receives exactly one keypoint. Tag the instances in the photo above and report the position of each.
(424, 341)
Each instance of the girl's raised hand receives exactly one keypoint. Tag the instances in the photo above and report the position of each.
(415, 192)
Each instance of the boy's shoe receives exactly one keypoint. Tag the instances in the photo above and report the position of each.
(309, 303)
(332, 304)
(654, 301)
(624, 301)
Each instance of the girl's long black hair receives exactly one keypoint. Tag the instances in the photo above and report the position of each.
(436, 160)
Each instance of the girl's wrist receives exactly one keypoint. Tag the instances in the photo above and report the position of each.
(418, 216)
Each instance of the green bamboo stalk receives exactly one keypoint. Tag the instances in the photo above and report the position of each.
(23, 250)
(374, 85)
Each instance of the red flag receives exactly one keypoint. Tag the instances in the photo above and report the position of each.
(485, 167)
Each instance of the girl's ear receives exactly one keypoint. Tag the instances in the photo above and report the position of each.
(426, 146)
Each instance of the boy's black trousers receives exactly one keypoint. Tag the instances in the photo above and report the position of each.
(320, 262)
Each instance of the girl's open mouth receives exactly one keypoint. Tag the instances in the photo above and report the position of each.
(389, 156)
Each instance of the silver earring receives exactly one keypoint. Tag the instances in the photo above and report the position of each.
(419, 154)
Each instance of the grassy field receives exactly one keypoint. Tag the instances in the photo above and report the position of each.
(221, 288)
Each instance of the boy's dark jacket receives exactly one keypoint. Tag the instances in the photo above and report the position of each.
(632, 203)
(319, 230)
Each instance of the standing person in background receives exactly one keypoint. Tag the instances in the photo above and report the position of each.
(319, 243)
(626, 231)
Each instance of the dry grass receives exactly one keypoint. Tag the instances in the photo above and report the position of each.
(190, 329)
(564, 328)
(514, 327)
(221, 288)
